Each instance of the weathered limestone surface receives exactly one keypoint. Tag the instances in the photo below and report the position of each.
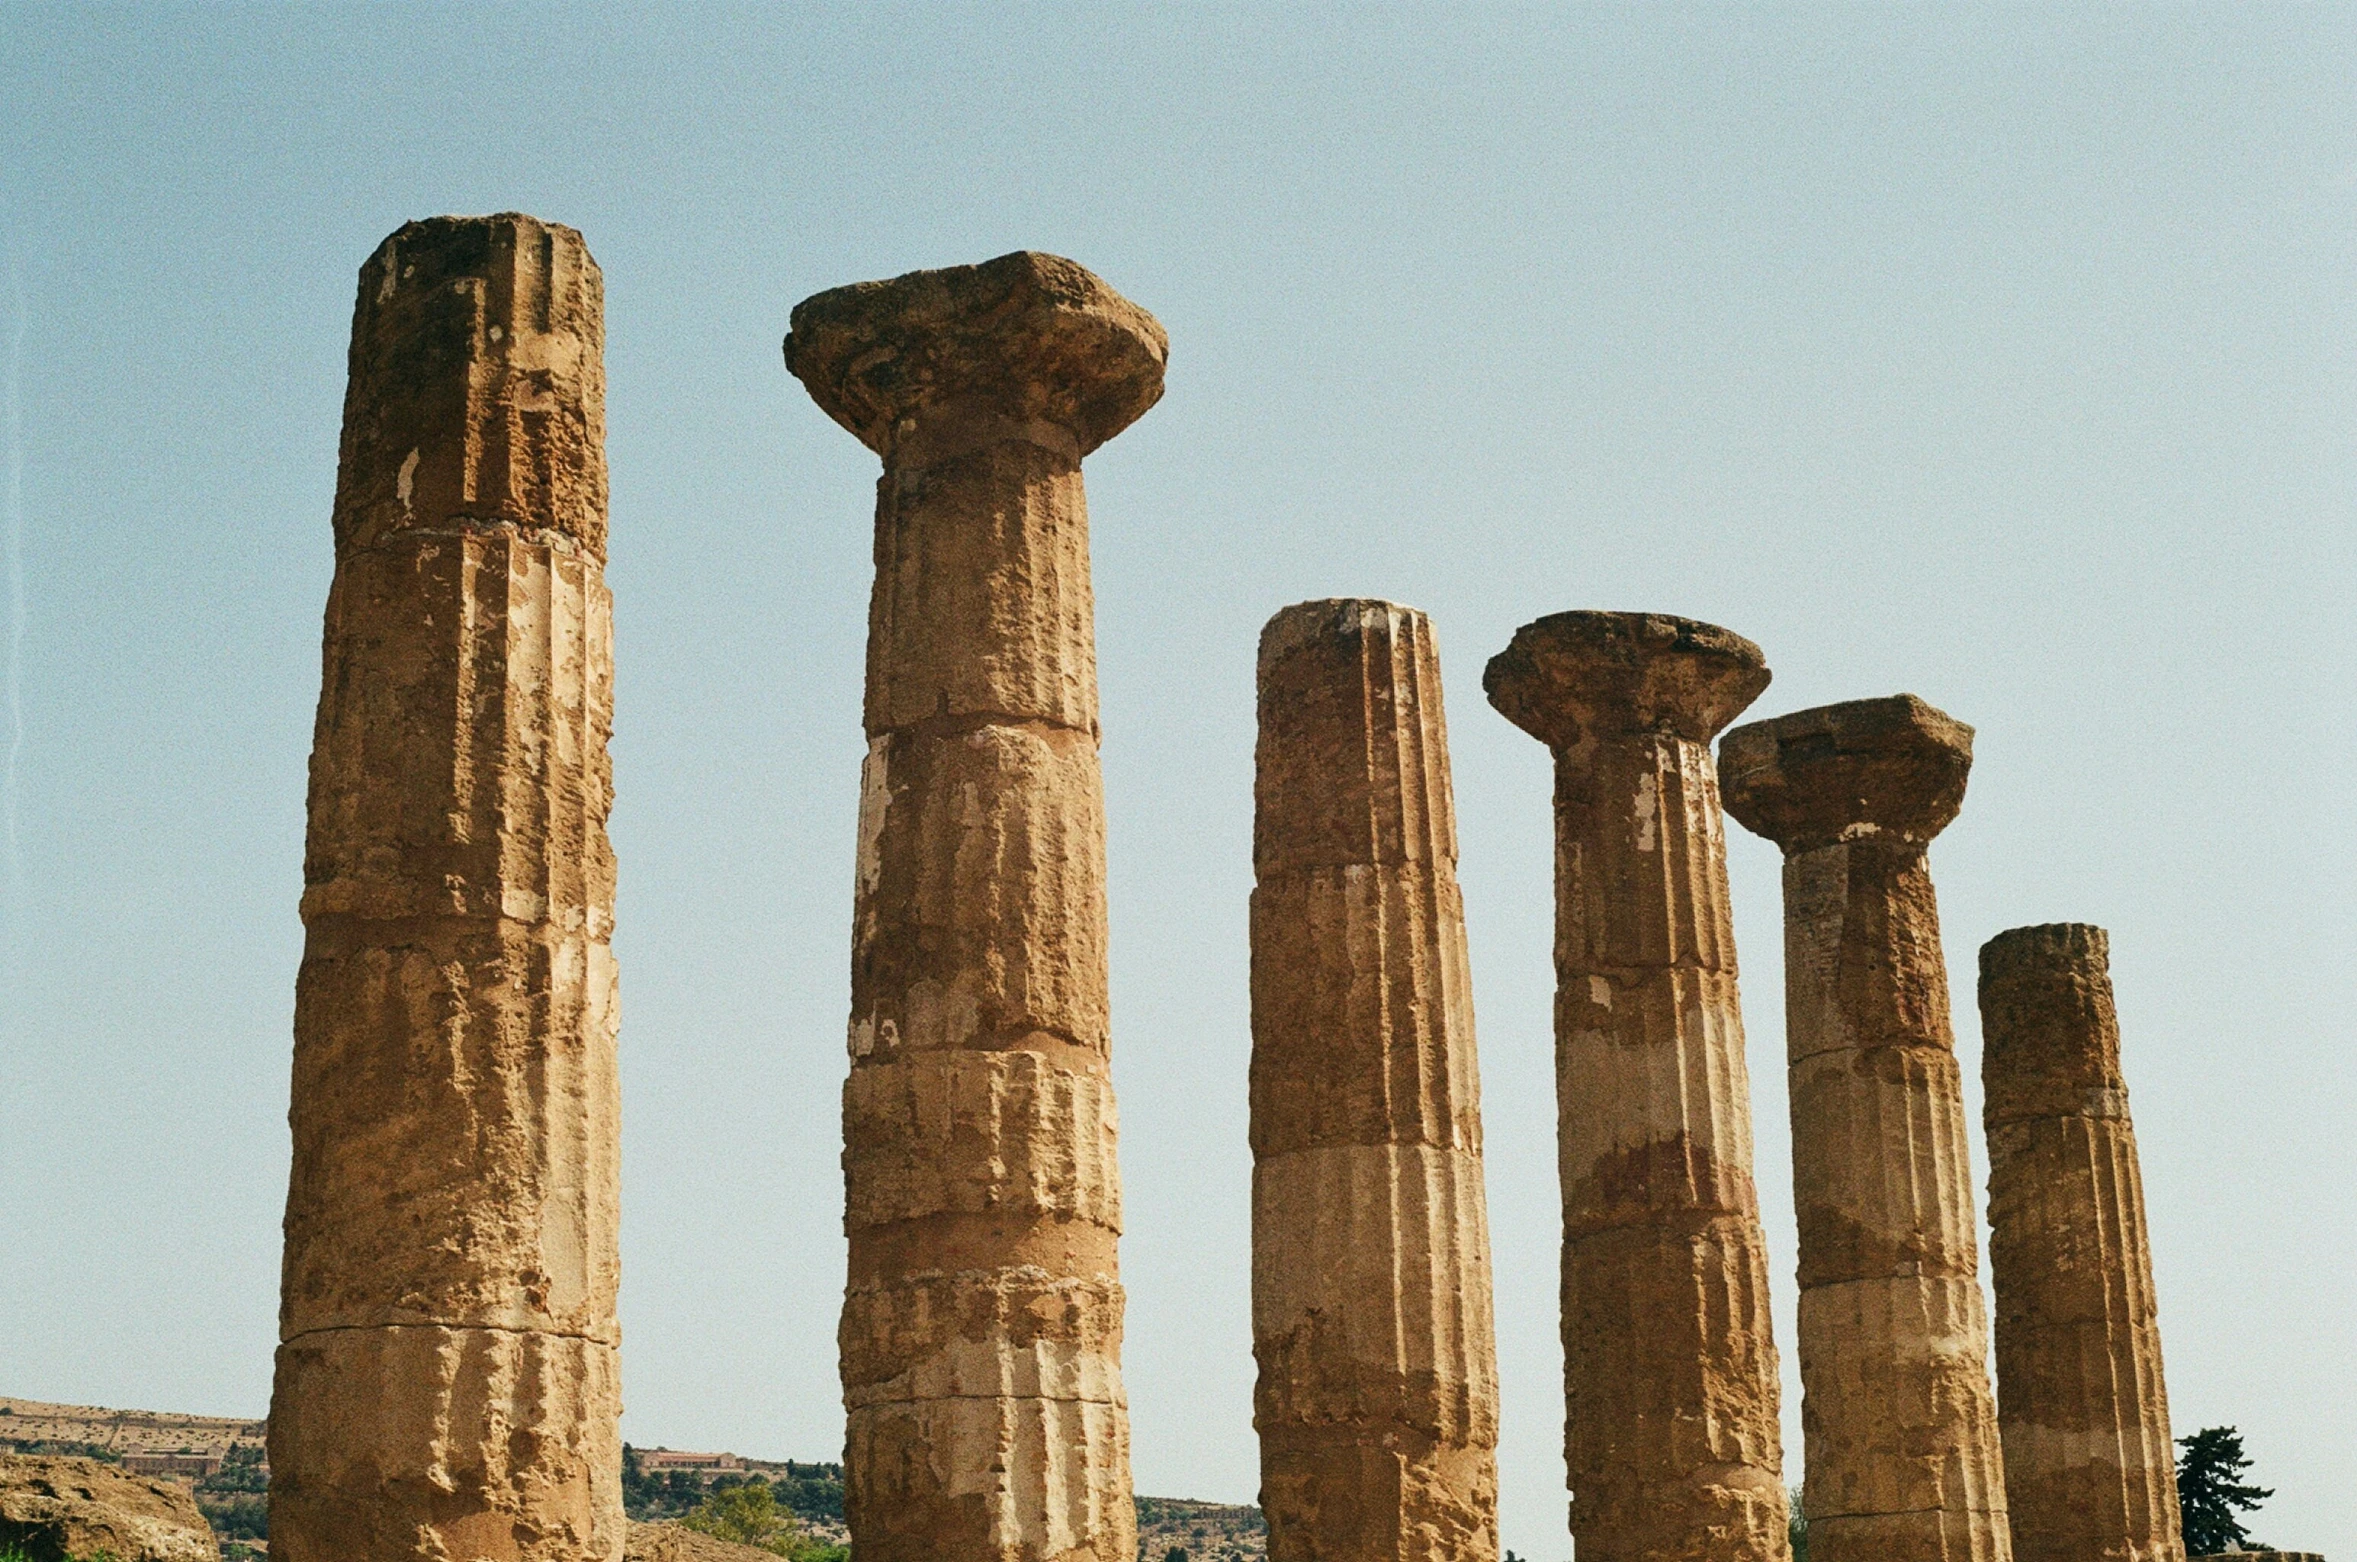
(447, 1382)
(65, 1507)
(677, 1543)
(1670, 1363)
(1903, 1463)
(981, 1333)
(2090, 1471)
(1377, 1404)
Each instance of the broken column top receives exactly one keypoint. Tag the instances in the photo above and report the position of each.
(1570, 677)
(1313, 626)
(1024, 339)
(1892, 766)
(1351, 765)
(477, 390)
(2050, 1033)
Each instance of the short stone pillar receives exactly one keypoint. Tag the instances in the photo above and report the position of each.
(447, 1381)
(1371, 1316)
(1670, 1364)
(981, 1334)
(2090, 1470)
(1901, 1426)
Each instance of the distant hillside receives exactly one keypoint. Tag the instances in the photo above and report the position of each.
(1195, 1531)
(1170, 1530)
(24, 1422)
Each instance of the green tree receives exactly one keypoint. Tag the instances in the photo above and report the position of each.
(1799, 1529)
(749, 1515)
(2211, 1492)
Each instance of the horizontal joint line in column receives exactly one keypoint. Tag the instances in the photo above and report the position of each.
(1958, 1277)
(959, 723)
(1936, 1049)
(988, 1399)
(1566, 972)
(471, 526)
(454, 1328)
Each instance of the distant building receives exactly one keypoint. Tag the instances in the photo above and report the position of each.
(658, 1461)
(184, 1465)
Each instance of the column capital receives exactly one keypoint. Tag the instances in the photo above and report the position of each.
(1571, 677)
(1892, 766)
(1025, 346)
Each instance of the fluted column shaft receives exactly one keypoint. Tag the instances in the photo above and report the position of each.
(1371, 1311)
(981, 1326)
(2090, 1471)
(1903, 1463)
(447, 1381)
(1672, 1437)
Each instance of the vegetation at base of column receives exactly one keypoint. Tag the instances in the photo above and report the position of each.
(1800, 1529)
(2211, 1491)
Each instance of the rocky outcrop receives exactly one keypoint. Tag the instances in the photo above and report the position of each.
(53, 1509)
(678, 1543)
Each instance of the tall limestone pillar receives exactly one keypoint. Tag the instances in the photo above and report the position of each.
(1371, 1316)
(981, 1333)
(1670, 1365)
(2090, 1471)
(1901, 1427)
(447, 1383)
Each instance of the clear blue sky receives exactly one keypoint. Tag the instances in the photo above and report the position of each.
(2002, 355)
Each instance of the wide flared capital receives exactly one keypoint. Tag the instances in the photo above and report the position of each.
(1892, 766)
(1570, 677)
(1025, 338)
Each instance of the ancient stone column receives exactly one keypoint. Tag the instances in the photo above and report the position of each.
(981, 1334)
(1901, 1426)
(1670, 1365)
(1371, 1318)
(2090, 1471)
(447, 1382)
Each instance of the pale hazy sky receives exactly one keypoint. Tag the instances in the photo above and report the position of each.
(2003, 356)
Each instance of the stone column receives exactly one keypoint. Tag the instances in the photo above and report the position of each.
(1901, 1426)
(1371, 1317)
(447, 1382)
(2090, 1471)
(981, 1334)
(1670, 1365)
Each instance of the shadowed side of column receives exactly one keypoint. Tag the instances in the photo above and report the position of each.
(447, 1382)
(1372, 1319)
(1670, 1368)
(1903, 1461)
(981, 1330)
(2090, 1471)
